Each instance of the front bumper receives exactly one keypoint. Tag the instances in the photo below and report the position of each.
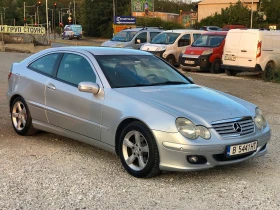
(173, 150)
(199, 62)
(157, 53)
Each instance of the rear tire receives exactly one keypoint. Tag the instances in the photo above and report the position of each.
(231, 72)
(21, 118)
(216, 67)
(138, 151)
(268, 74)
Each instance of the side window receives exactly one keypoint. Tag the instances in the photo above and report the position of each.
(196, 36)
(141, 38)
(153, 34)
(213, 28)
(45, 64)
(184, 40)
(75, 69)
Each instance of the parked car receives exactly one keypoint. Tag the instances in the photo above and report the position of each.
(251, 50)
(228, 27)
(206, 52)
(132, 38)
(136, 105)
(210, 28)
(169, 44)
(72, 31)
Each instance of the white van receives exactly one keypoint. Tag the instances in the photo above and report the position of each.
(251, 50)
(169, 44)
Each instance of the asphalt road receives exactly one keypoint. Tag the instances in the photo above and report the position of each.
(48, 171)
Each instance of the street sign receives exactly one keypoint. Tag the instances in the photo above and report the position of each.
(125, 20)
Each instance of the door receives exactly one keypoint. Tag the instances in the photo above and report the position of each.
(183, 42)
(40, 72)
(230, 55)
(247, 51)
(67, 107)
(140, 39)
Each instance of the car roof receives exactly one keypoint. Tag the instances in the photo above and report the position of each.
(182, 30)
(216, 33)
(97, 50)
(143, 29)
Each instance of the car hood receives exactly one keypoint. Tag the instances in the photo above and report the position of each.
(152, 47)
(113, 44)
(195, 50)
(200, 104)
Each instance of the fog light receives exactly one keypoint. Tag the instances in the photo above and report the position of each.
(196, 159)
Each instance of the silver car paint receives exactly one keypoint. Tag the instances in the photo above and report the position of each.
(147, 104)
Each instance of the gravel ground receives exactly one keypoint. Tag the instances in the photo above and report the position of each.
(48, 171)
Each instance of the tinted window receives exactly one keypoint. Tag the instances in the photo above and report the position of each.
(184, 40)
(196, 36)
(45, 64)
(142, 37)
(138, 70)
(153, 34)
(75, 69)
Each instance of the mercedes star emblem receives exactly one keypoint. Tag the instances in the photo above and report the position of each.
(237, 128)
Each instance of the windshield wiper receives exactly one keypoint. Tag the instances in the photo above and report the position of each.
(170, 83)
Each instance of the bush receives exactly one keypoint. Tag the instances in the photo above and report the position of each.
(157, 22)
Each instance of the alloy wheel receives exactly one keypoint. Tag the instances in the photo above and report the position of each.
(19, 116)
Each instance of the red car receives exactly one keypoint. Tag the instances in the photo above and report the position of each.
(206, 52)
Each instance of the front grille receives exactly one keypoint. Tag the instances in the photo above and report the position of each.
(234, 127)
(223, 157)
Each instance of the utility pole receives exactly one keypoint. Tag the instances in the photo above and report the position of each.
(75, 12)
(24, 12)
(38, 15)
(47, 20)
(252, 14)
(54, 33)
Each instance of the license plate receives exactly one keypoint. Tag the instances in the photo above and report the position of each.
(189, 62)
(242, 148)
(230, 57)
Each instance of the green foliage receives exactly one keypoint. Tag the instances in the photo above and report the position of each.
(157, 22)
(173, 6)
(235, 14)
(272, 10)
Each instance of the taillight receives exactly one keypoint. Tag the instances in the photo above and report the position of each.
(9, 75)
(259, 50)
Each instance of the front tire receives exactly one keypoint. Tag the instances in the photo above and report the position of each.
(138, 151)
(21, 118)
(216, 67)
(171, 59)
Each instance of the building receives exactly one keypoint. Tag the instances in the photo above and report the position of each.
(210, 7)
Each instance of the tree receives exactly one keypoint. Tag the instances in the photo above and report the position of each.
(272, 10)
(235, 14)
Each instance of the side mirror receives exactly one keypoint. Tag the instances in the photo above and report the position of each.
(191, 79)
(138, 41)
(88, 87)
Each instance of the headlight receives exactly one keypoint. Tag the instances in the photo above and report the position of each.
(120, 45)
(188, 129)
(260, 120)
(161, 48)
(207, 52)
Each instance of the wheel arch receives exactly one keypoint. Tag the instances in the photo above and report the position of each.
(12, 99)
(121, 126)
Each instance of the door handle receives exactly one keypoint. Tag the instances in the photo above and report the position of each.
(243, 50)
(51, 86)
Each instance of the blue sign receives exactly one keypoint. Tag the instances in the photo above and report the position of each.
(125, 20)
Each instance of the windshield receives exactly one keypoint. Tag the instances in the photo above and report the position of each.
(138, 70)
(209, 40)
(124, 36)
(165, 38)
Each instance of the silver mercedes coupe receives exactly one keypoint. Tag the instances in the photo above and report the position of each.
(136, 105)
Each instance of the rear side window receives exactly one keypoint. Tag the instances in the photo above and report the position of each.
(74, 69)
(184, 40)
(45, 64)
